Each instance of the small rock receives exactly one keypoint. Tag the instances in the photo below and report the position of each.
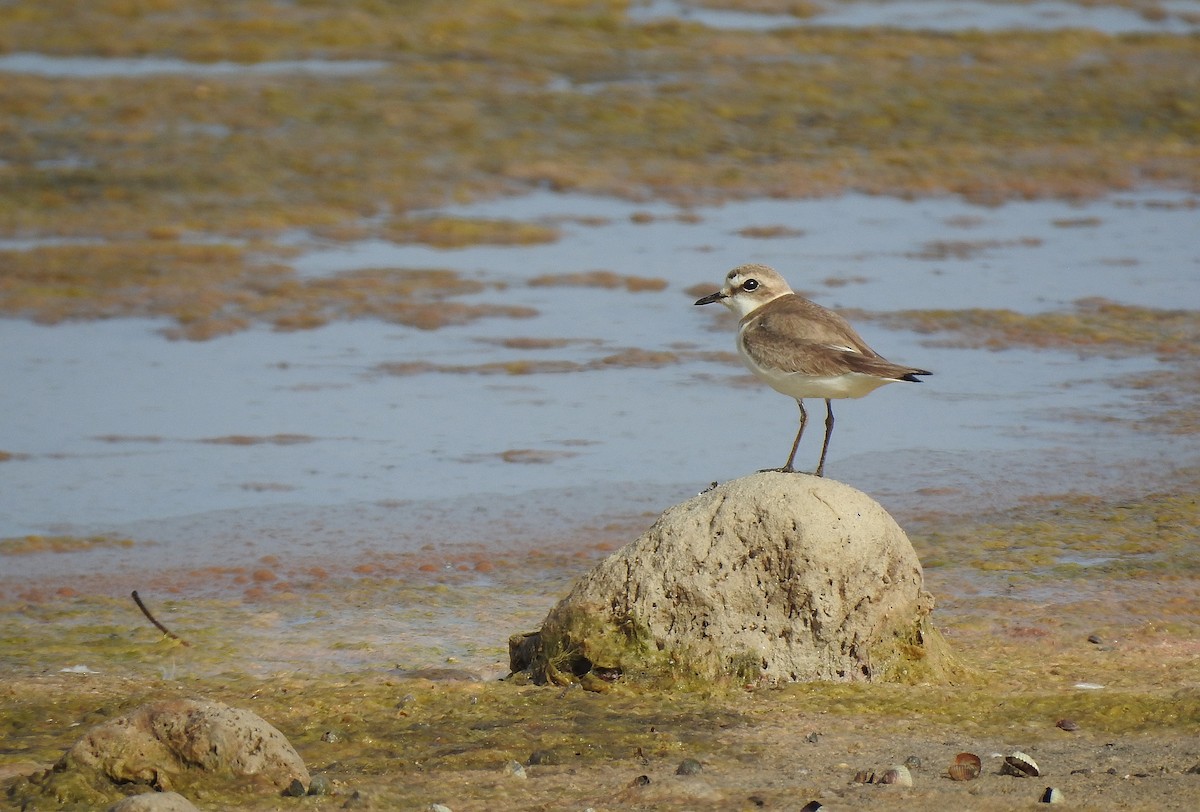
(813, 738)
(515, 769)
(154, 802)
(175, 738)
(640, 781)
(689, 766)
(913, 763)
(1095, 639)
(438, 808)
(331, 736)
(1194, 769)
(319, 785)
(811, 806)
(295, 789)
(1066, 724)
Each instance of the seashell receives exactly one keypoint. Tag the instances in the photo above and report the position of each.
(864, 777)
(898, 775)
(1051, 796)
(1020, 765)
(966, 767)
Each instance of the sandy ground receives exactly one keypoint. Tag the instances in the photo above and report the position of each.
(342, 668)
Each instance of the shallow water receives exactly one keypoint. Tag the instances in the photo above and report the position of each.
(302, 444)
(942, 15)
(94, 67)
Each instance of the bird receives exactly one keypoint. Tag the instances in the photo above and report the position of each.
(801, 349)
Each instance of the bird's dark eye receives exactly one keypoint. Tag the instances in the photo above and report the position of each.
(750, 284)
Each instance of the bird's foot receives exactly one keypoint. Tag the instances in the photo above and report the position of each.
(787, 469)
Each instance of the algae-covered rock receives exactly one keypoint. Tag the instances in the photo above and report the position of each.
(773, 577)
(167, 745)
(168, 738)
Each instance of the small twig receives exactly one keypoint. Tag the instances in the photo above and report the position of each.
(158, 625)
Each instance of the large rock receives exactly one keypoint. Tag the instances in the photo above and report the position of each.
(774, 577)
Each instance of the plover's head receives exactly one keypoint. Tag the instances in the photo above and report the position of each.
(747, 288)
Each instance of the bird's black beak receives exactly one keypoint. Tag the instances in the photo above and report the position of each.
(710, 298)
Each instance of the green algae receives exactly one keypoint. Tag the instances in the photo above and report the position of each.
(395, 737)
(458, 232)
(993, 709)
(1074, 536)
(599, 279)
(1093, 327)
(210, 290)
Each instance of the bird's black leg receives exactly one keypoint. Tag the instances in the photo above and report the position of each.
(828, 431)
(787, 469)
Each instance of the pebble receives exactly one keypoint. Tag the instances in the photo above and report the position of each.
(546, 757)
(357, 800)
(689, 766)
(319, 785)
(438, 808)
(1095, 639)
(1066, 724)
(515, 769)
(295, 789)
(913, 763)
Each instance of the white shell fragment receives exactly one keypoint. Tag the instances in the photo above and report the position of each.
(1051, 796)
(899, 775)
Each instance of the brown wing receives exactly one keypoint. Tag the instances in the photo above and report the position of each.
(795, 335)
